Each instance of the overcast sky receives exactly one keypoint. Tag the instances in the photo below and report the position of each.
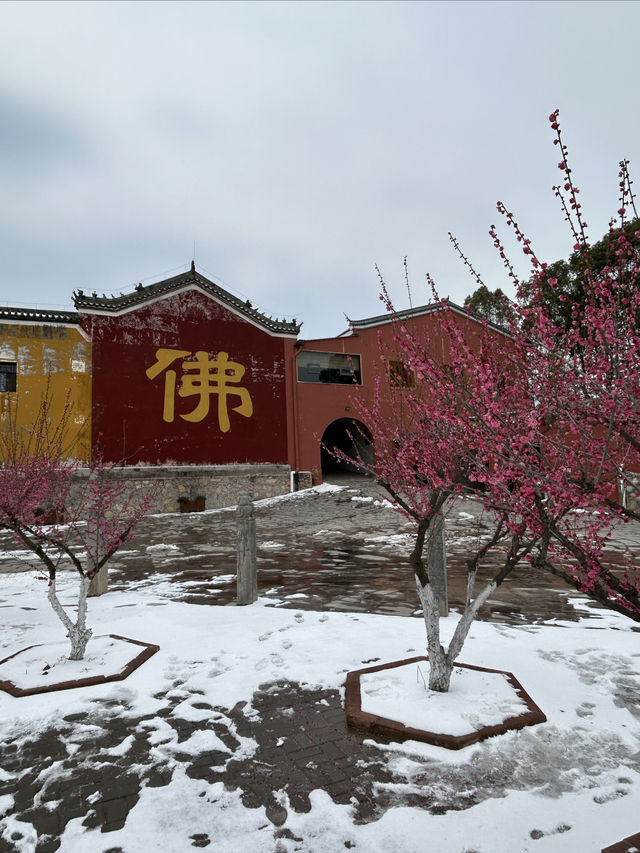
(298, 144)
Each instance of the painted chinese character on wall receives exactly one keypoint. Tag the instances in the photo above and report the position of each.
(202, 378)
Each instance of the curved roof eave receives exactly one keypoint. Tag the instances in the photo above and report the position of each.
(141, 295)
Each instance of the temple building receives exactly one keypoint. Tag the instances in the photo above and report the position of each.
(183, 373)
(46, 355)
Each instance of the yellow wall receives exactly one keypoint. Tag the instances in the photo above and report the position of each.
(53, 359)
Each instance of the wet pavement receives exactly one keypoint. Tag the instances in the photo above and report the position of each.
(343, 550)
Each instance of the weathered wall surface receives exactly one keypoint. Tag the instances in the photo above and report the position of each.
(53, 359)
(219, 484)
(185, 380)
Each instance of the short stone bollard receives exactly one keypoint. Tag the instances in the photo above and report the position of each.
(247, 583)
(99, 583)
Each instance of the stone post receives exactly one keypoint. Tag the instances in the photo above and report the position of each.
(99, 583)
(247, 584)
(437, 563)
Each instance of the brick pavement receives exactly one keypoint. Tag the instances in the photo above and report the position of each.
(303, 743)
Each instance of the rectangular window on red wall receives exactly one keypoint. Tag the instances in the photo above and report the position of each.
(334, 368)
(401, 376)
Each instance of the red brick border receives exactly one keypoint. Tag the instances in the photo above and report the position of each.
(631, 843)
(148, 650)
(358, 718)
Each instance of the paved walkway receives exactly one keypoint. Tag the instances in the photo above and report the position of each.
(343, 550)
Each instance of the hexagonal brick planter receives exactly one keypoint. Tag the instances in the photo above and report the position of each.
(128, 665)
(529, 716)
(631, 844)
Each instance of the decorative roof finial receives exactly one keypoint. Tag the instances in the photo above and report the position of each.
(193, 266)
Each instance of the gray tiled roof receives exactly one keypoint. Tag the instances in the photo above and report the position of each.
(389, 316)
(38, 315)
(114, 304)
(419, 311)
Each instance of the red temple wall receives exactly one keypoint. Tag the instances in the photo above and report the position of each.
(161, 392)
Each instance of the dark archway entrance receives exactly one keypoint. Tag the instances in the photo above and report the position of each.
(352, 438)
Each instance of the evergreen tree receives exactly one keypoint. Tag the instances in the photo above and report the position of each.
(491, 305)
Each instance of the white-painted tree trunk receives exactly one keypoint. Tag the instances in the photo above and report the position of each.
(441, 661)
(77, 631)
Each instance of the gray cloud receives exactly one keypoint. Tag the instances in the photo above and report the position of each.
(299, 143)
(35, 139)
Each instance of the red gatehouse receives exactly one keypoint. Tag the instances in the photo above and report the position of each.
(331, 372)
(184, 373)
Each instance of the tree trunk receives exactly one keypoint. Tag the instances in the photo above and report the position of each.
(437, 562)
(77, 631)
(80, 634)
(441, 662)
(440, 667)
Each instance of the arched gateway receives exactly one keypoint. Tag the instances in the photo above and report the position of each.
(352, 438)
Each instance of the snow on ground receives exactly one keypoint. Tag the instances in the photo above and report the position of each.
(36, 665)
(572, 783)
(475, 699)
(400, 541)
(303, 494)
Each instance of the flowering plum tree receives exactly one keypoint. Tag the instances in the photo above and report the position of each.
(538, 424)
(61, 517)
(583, 368)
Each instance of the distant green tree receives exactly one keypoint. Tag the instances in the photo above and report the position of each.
(566, 282)
(491, 305)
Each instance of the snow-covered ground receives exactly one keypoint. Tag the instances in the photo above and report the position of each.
(571, 784)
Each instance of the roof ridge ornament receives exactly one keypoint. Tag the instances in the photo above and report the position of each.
(160, 289)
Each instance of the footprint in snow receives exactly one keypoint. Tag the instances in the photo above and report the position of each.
(273, 659)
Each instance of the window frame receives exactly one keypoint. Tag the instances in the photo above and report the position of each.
(8, 377)
(400, 376)
(355, 372)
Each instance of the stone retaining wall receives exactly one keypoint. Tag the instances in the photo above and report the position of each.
(219, 484)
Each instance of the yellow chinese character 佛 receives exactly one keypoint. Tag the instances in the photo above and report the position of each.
(202, 378)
